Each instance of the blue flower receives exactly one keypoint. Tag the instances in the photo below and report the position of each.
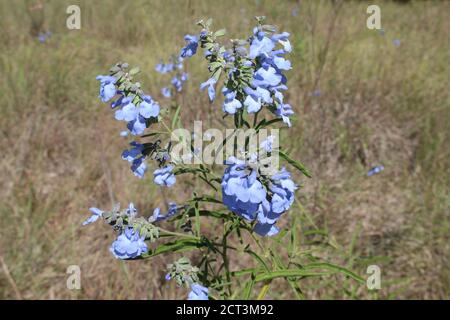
(375, 170)
(210, 83)
(282, 188)
(157, 216)
(266, 77)
(166, 92)
(176, 82)
(284, 111)
(260, 44)
(96, 213)
(148, 108)
(128, 111)
(128, 245)
(267, 144)
(139, 167)
(164, 176)
(282, 38)
(198, 292)
(255, 98)
(131, 210)
(184, 77)
(266, 229)
(191, 47)
(137, 159)
(136, 116)
(396, 42)
(107, 87)
(42, 37)
(137, 126)
(231, 104)
(242, 192)
(134, 152)
(164, 68)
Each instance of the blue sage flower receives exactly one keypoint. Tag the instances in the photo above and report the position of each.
(131, 210)
(96, 213)
(255, 98)
(266, 77)
(260, 44)
(282, 38)
(157, 216)
(139, 167)
(282, 188)
(166, 92)
(148, 108)
(283, 110)
(137, 159)
(267, 144)
(191, 47)
(107, 87)
(176, 82)
(164, 68)
(242, 192)
(128, 245)
(164, 176)
(210, 83)
(375, 170)
(231, 104)
(198, 292)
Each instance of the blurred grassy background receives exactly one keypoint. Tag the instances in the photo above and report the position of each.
(378, 104)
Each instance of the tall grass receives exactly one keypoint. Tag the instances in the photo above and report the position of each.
(378, 104)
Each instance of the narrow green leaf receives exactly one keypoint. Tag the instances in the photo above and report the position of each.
(289, 273)
(220, 33)
(258, 258)
(249, 287)
(335, 268)
(296, 164)
(175, 246)
(175, 117)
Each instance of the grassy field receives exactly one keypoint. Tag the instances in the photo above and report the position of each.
(360, 99)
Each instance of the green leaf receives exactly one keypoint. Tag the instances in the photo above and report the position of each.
(175, 246)
(335, 268)
(197, 219)
(134, 71)
(296, 164)
(258, 258)
(248, 287)
(175, 117)
(289, 273)
(220, 33)
(264, 123)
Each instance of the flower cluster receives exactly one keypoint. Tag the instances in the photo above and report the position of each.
(134, 231)
(132, 105)
(254, 69)
(253, 81)
(185, 274)
(256, 197)
(139, 110)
